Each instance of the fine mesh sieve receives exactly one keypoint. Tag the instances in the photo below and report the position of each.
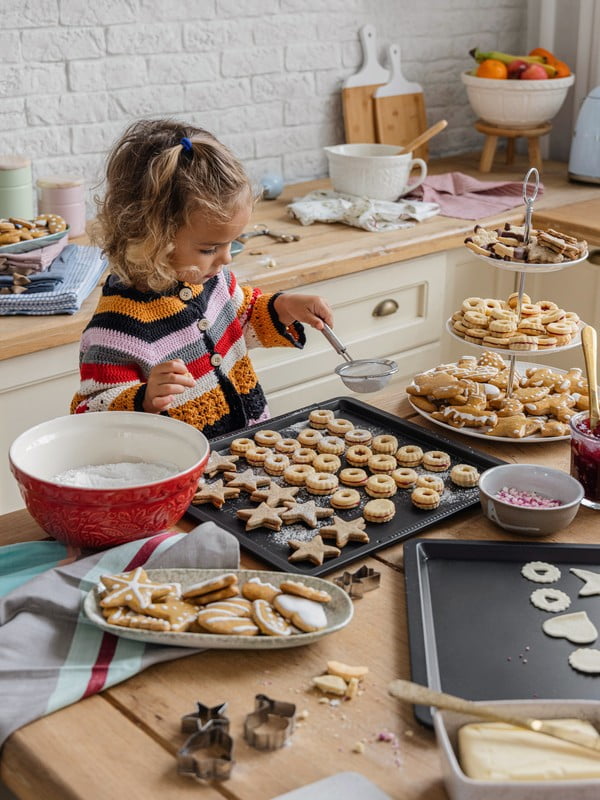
(362, 375)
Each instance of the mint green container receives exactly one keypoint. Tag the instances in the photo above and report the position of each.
(16, 192)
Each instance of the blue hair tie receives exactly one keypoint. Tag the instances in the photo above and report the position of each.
(187, 144)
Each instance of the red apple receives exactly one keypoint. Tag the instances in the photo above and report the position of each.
(534, 72)
(516, 68)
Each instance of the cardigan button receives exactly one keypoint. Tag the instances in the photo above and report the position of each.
(216, 359)
(203, 324)
(185, 294)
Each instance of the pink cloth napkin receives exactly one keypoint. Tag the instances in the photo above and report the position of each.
(33, 260)
(462, 196)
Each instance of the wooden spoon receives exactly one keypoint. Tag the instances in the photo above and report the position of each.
(423, 137)
(421, 695)
(589, 342)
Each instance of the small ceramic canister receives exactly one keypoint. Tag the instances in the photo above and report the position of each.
(63, 195)
(16, 192)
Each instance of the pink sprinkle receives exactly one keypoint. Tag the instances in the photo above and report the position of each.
(385, 736)
(518, 497)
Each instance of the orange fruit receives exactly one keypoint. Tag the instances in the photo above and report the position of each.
(549, 58)
(490, 68)
(562, 69)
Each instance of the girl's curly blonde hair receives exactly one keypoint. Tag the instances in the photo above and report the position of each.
(153, 183)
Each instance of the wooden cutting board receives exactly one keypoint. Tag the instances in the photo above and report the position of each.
(400, 108)
(357, 92)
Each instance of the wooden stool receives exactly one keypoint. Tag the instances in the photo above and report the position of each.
(492, 132)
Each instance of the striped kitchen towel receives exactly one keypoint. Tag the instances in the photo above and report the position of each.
(80, 269)
(51, 655)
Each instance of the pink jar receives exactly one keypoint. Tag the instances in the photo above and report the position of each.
(63, 195)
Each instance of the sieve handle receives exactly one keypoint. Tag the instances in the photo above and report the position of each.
(333, 340)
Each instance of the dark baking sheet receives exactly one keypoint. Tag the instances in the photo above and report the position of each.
(473, 631)
(272, 546)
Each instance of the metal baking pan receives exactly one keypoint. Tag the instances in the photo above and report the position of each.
(473, 631)
(272, 546)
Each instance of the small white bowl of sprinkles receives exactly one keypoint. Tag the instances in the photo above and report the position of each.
(529, 499)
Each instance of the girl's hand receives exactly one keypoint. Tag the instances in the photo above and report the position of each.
(308, 308)
(164, 381)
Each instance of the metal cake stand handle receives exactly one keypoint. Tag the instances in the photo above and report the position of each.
(531, 185)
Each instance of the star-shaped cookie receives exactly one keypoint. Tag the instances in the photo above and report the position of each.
(218, 463)
(275, 494)
(592, 581)
(133, 589)
(263, 516)
(344, 531)
(308, 513)
(215, 493)
(246, 480)
(315, 550)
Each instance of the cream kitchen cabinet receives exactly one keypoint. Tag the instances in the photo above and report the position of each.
(33, 388)
(414, 293)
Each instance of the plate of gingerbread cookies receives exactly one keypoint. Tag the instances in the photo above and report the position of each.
(212, 608)
(546, 251)
(23, 235)
(469, 397)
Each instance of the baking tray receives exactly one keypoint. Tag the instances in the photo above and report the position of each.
(272, 547)
(473, 631)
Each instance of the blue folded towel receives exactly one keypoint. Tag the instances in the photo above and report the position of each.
(75, 273)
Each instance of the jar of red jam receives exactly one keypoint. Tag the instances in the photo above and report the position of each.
(585, 458)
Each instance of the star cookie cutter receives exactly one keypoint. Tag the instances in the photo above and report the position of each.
(365, 579)
(204, 715)
(207, 754)
(271, 723)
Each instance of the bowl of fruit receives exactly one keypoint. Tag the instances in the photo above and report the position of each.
(517, 91)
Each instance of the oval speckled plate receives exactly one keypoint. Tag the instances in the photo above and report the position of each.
(339, 613)
(33, 244)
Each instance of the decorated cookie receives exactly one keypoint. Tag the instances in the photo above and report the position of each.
(270, 621)
(305, 614)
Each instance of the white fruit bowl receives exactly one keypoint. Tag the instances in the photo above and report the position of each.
(516, 103)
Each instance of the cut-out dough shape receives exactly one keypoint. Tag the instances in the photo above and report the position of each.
(540, 572)
(550, 600)
(577, 628)
(586, 659)
(592, 581)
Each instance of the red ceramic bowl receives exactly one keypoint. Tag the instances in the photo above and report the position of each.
(103, 517)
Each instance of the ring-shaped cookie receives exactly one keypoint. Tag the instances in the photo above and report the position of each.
(353, 476)
(296, 474)
(436, 460)
(309, 437)
(405, 477)
(381, 485)
(464, 475)
(358, 436)
(326, 462)
(319, 417)
(384, 443)
(267, 438)
(241, 445)
(276, 463)
(331, 444)
(358, 455)
(287, 445)
(382, 462)
(491, 304)
(431, 482)
(550, 600)
(345, 498)
(304, 455)
(425, 499)
(473, 304)
(409, 455)
(255, 456)
(514, 298)
(321, 483)
(339, 427)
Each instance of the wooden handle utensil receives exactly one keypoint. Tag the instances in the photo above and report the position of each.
(423, 137)
(589, 342)
(422, 695)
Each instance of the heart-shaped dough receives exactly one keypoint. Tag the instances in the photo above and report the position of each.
(577, 628)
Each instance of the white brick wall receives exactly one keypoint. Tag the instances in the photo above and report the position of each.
(263, 75)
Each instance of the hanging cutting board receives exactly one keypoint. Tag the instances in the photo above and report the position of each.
(399, 108)
(357, 91)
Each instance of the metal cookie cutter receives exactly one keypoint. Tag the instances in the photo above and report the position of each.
(207, 754)
(199, 719)
(271, 723)
(263, 230)
(357, 583)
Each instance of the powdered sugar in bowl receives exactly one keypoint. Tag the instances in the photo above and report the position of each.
(529, 499)
(103, 478)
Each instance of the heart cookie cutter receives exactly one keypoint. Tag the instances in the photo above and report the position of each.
(271, 723)
(365, 579)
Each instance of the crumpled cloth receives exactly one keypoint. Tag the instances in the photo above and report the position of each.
(326, 205)
(51, 654)
(33, 260)
(459, 195)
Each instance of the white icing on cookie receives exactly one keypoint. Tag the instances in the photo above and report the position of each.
(540, 572)
(577, 628)
(303, 613)
(550, 600)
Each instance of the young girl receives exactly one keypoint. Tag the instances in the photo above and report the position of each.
(172, 329)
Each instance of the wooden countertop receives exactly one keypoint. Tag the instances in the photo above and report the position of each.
(122, 743)
(327, 251)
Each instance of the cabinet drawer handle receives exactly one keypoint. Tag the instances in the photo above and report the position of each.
(594, 257)
(385, 308)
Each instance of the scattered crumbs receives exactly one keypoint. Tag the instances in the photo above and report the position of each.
(524, 661)
(335, 703)
(323, 700)
(358, 747)
(527, 647)
(408, 732)
(386, 736)
(508, 658)
(302, 714)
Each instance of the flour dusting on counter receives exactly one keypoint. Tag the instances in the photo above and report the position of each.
(116, 476)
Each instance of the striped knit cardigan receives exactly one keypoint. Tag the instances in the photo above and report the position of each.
(209, 326)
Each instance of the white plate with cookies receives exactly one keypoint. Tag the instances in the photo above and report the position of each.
(305, 595)
(522, 266)
(575, 342)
